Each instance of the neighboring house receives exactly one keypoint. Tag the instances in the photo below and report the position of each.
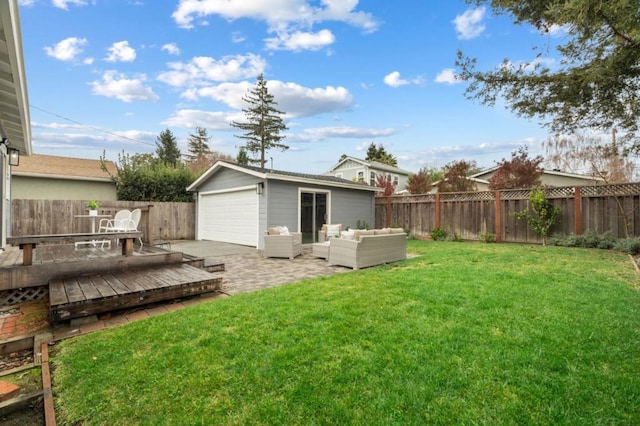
(548, 178)
(15, 125)
(48, 177)
(357, 170)
(236, 204)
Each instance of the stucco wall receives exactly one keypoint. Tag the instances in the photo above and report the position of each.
(34, 188)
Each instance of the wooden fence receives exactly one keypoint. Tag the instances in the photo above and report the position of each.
(470, 215)
(159, 221)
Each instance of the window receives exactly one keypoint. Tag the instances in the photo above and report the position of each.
(372, 178)
(395, 180)
(361, 176)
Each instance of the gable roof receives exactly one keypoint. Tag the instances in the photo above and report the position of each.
(15, 124)
(545, 171)
(49, 166)
(269, 174)
(372, 164)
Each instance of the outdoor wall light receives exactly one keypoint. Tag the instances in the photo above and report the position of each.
(14, 156)
(259, 188)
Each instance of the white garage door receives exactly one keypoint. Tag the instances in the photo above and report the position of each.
(230, 217)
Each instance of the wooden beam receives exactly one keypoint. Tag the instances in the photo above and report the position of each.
(577, 210)
(498, 217)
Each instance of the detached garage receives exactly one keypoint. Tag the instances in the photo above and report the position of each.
(236, 204)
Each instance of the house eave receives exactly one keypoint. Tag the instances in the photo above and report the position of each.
(15, 121)
(62, 177)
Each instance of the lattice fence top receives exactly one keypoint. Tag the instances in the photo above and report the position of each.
(622, 189)
(619, 189)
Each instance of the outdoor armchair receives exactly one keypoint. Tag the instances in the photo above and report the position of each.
(279, 242)
(329, 231)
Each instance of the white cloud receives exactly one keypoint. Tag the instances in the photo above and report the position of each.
(191, 118)
(63, 4)
(278, 13)
(290, 20)
(171, 49)
(298, 41)
(26, 2)
(121, 52)
(203, 69)
(469, 25)
(393, 79)
(114, 85)
(237, 37)
(321, 133)
(293, 99)
(67, 49)
(447, 76)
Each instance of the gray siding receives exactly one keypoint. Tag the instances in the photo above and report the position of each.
(348, 207)
(227, 179)
(283, 205)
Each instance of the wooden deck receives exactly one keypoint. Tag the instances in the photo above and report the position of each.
(91, 280)
(88, 295)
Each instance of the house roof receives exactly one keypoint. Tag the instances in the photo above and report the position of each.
(545, 171)
(49, 166)
(269, 174)
(15, 123)
(373, 164)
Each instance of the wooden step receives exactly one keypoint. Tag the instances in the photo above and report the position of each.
(110, 291)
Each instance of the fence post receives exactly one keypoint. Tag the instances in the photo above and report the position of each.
(577, 209)
(498, 217)
(437, 218)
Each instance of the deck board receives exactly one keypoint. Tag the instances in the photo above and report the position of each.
(88, 288)
(103, 286)
(86, 295)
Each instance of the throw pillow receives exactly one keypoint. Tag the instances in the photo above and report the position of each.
(284, 230)
(347, 235)
(275, 230)
(333, 230)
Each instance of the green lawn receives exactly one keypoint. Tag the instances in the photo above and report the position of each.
(466, 333)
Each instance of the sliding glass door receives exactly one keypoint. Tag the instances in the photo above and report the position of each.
(313, 214)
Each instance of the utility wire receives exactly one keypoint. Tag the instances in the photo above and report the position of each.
(91, 127)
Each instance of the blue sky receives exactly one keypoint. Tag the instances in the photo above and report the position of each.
(112, 74)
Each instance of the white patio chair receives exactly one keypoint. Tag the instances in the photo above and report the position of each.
(135, 220)
(120, 222)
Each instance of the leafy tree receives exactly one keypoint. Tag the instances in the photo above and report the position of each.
(596, 84)
(541, 216)
(141, 178)
(590, 155)
(202, 162)
(198, 144)
(167, 149)
(517, 173)
(456, 177)
(388, 189)
(419, 183)
(263, 125)
(380, 154)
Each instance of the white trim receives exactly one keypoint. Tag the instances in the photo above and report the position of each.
(314, 191)
(223, 191)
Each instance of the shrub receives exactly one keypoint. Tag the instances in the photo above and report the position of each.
(439, 234)
(487, 238)
(541, 216)
(628, 245)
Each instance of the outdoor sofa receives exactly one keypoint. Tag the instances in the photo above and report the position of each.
(369, 248)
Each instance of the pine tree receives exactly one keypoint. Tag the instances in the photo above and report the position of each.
(263, 125)
(242, 158)
(167, 149)
(379, 154)
(198, 144)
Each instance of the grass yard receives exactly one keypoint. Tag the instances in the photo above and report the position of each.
(468, 333)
